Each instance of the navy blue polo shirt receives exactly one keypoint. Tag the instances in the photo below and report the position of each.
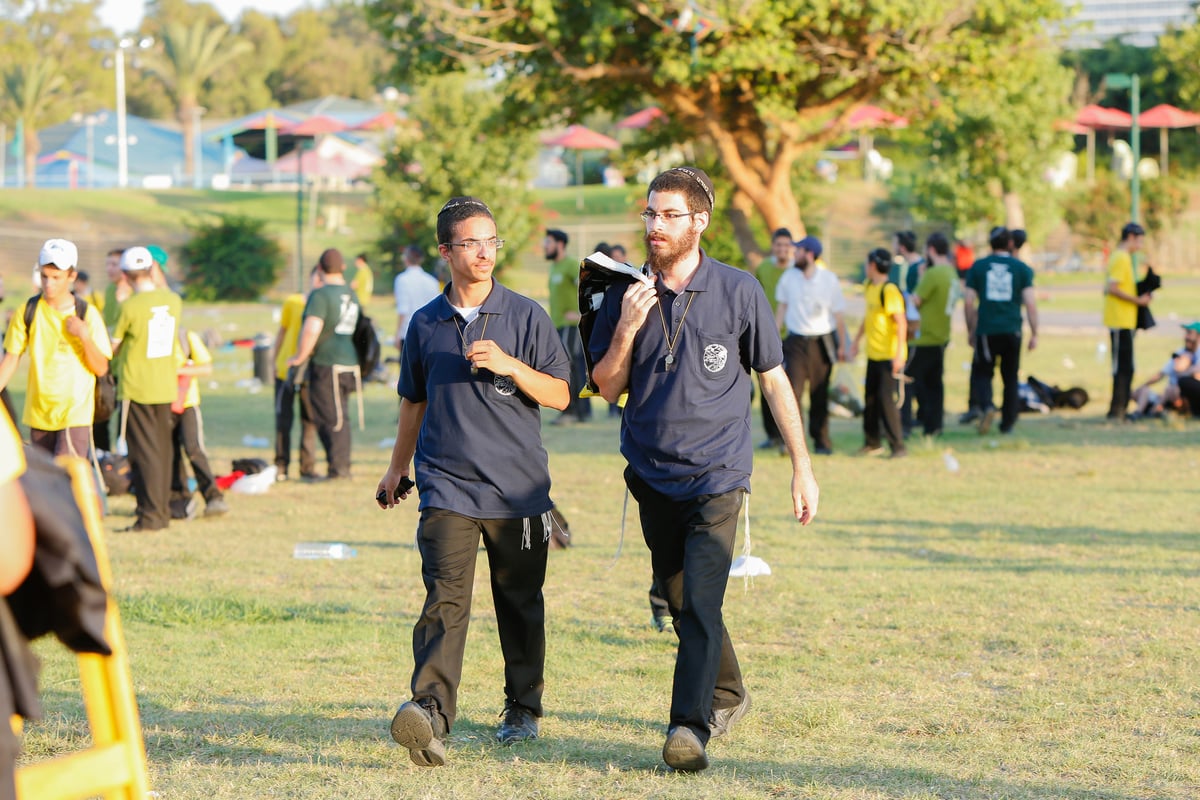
(685, 430)
(479, 450)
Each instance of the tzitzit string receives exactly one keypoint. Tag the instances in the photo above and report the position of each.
(672, 341)
(463, 338)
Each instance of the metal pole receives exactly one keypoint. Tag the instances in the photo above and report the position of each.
(300, 215)
(122, 152)
(197, 150)
(91, 135)
(3, 153)
(1135, 141)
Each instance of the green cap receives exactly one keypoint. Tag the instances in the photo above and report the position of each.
(1194, 327)
(158, 254)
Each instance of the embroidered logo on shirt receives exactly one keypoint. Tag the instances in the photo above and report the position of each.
(715, 356)
(504, 385)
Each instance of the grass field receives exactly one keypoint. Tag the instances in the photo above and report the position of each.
(1023, 627)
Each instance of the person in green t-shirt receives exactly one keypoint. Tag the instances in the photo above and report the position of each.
(326, 343)
(935, 294)
(769, 271)
(146, 352)
(998, 285)
(564, 313)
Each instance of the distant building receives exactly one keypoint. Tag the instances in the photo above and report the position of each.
(1135, 22)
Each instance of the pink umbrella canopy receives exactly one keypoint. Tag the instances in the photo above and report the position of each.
(642, 119)
(379, 122)
(1168, 116)
(870, 116)
(579, 137)
(1101, 118)
(316, 126)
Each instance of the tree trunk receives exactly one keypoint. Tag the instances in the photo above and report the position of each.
(32, 145)
(186, 112)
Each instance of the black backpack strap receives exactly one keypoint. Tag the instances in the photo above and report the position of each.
(30, 310)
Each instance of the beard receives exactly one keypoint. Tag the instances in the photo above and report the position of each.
(675, 249)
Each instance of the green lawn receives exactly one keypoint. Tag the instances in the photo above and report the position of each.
(1023, 627)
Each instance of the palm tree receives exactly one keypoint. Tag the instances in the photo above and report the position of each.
(191, 55)
(33, 89)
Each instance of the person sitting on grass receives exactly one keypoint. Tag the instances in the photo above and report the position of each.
(1182, 363)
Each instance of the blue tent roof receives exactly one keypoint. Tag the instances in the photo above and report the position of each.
(152, 150)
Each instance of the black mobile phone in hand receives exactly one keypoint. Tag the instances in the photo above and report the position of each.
(405, 485)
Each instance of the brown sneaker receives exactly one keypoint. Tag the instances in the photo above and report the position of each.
(683, 751)
(423, 732)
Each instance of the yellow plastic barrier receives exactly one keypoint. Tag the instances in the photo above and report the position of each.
(114, 767)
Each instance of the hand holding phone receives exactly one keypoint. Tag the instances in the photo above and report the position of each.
(404, 487)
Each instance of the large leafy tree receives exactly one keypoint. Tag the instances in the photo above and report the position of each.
(764, 83)
(455, 146)
(190, 56)
(984, 149)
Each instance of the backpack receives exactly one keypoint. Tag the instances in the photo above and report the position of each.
(366, 344)
(597, 272)
(116, 474)
(106, 384)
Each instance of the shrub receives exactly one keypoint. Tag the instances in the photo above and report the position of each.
(230, 259)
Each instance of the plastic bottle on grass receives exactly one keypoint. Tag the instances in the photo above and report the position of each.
(334, 550)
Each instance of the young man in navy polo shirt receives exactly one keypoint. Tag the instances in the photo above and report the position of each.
(683, 346)
(478, 363)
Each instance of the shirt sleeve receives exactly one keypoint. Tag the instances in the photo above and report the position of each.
(548, 355)
(17, 336)
(200, 354)
(839, 297)
(411, 385)
(761, 339)
(893, 301)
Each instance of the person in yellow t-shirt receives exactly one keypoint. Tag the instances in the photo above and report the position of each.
(16, 547)
(1121, 303)
(363, 280)
(885, 325)
(188, 436)
(66, 353)
(291, 319)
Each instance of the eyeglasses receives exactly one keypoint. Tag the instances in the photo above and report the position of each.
(477, 244)
(667, 216)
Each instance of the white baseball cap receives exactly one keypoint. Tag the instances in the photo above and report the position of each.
(136, 259)
(60, 253)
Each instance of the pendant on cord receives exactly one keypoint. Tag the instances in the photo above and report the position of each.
(669, 361)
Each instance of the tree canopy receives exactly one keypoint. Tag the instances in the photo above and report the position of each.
(764, 83)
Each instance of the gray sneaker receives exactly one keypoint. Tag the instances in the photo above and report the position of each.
(722, 719)
(216, 507)
(683, 751)
(423, 732)
(519, 724)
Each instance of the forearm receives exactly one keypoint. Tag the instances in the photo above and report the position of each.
(308, 338)
(195, 370)
(777, 391)
(8, 365)
(411, 416)
(543, 389)
(611, 373)
(93, 359)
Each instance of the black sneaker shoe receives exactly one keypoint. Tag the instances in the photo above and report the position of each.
(423, 732)
(683, 752)
(519, 724)
(722, 719)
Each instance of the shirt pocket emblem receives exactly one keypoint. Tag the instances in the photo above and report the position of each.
(504, 385)
(715, 356)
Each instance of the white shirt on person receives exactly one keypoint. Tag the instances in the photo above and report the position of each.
(811, 302)
(413, 288)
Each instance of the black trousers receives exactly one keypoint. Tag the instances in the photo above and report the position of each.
(188, 440)
(880, 408)
(286, 396)
(806, 362)
(691, 549)
(1005, 348)
(926, 366)
(1189, 390)
(1121, 347)
(573, 343)
(516, 551)
(148, 431)
(329, 409)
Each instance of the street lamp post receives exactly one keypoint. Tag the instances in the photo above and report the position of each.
(1121, 80)
(90, 122)
(122, 140)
